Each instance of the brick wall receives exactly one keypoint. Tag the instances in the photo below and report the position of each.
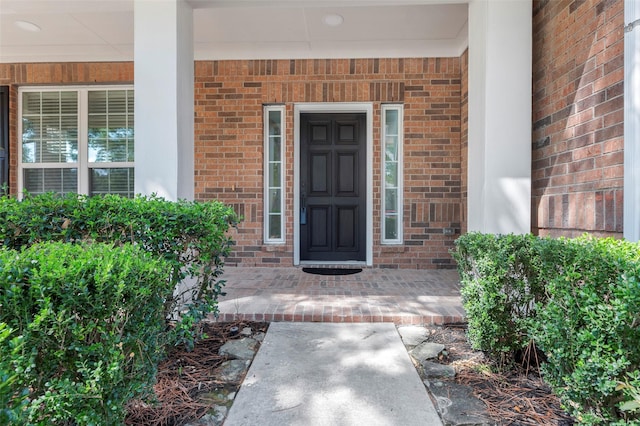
(229, 97)
(578, 70)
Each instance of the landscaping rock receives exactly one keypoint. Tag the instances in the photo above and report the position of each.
(426, 350)
(259, 337)
(240, 349)
(458, 407)
(413, 335)
(207, 420)
(215, 417)
(435, 370)
(218, 397)
(232, 371)
(218, 413)
(246, 332)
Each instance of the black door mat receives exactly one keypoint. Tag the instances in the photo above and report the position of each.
(332, 271)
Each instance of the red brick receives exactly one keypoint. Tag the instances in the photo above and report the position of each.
(593, 89)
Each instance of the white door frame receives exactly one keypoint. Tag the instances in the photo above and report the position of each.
(328, 107)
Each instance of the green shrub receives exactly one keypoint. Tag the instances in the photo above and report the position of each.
(590, 326)
(577, 299)
(12, 396)
(91, 318)
(500, 284)
(190, 236)
(631, 390)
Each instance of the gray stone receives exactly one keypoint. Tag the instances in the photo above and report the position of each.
(219, 413)
(458, 407)
(232, 371)
(220, 396)
(259, 337)
(240, 349)
(426, 350)
(247, 331)
(212, 398)
(434, 370)
(413, 335)
(207, 420)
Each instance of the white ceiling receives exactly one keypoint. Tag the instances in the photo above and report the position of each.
(102, 30)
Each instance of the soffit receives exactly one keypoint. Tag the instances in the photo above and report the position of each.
(102, 30)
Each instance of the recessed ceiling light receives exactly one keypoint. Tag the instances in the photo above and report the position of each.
(333, 20)
(27, 26)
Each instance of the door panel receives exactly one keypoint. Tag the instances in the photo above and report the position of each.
(347, 219)
(347, 132)
(320, 171)
(333, 187)
(319, 220)
(347, 165)
(320, 133)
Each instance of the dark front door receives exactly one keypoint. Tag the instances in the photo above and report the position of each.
(333, 187)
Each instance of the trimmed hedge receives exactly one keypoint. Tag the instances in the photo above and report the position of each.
(577, 299)
(501, 284)
(80, 331)
(190, 236)
(93, 289)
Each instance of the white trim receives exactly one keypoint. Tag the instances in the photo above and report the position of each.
(265, 174)
(83, 141)
(631, 124)
(82, 165)
(332, 263)
(321, 107)
(400, 171)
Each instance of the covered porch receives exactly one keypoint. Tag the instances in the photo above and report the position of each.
(401, 296)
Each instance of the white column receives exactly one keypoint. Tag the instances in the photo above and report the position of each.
(163, 72)
(632, 120)
(500, 58)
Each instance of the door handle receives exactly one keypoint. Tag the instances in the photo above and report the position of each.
(303, 209)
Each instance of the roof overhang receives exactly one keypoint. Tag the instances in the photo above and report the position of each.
(102, 30)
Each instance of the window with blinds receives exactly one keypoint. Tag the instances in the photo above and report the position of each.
(77, 140)
(110, 142)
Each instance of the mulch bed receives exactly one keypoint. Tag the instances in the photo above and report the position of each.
(513, 397)
(516, 396)
(185, 375)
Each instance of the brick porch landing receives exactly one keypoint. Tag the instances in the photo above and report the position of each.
(373, 295)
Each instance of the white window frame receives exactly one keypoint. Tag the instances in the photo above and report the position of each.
(400, 170)
(83, 165)
(266, 198)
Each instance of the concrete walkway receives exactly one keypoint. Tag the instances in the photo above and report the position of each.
(374, 295)
(308, 374)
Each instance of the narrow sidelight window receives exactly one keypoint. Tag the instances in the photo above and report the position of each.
(4, 138)
(274, 173)
(392, 137)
